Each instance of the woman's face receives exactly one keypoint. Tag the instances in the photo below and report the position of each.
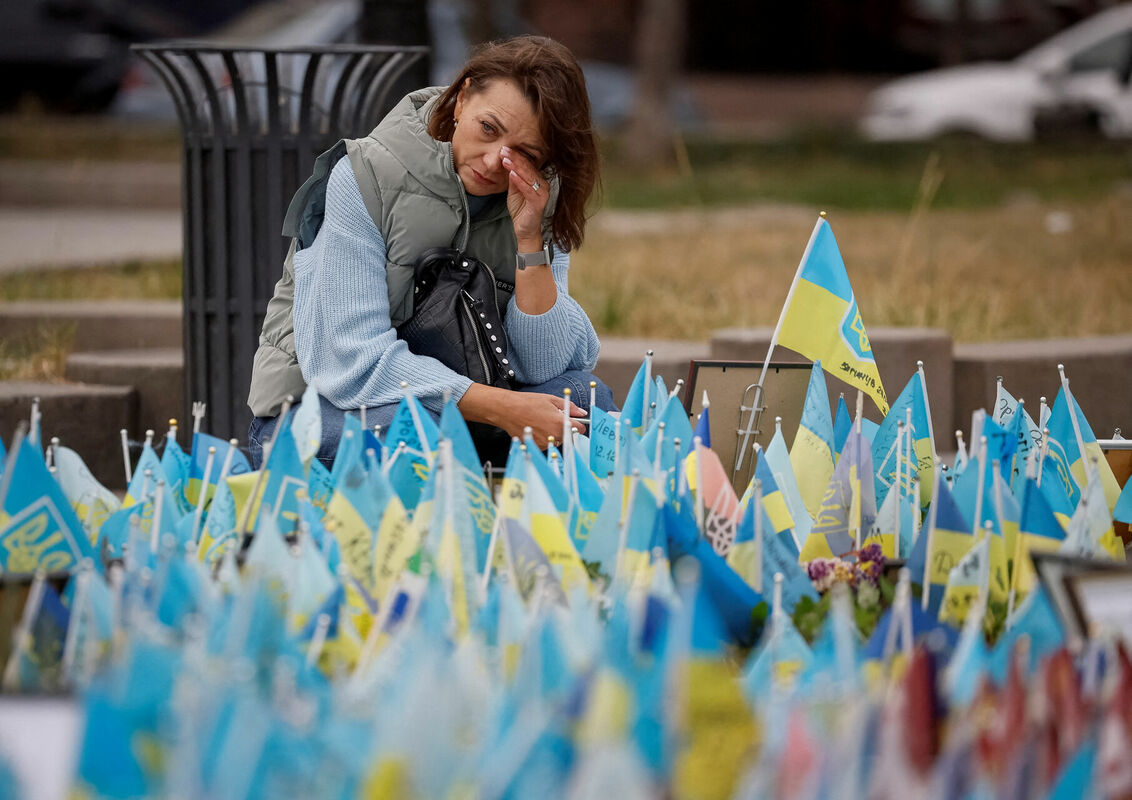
(487, 120)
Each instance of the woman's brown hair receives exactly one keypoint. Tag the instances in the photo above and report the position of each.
(549, 77)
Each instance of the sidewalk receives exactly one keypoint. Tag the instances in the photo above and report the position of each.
(38, 238)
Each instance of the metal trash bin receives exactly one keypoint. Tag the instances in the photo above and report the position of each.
(253, 121)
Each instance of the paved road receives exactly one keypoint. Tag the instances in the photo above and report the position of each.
(39, 238)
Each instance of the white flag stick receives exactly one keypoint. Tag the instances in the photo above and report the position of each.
(568, 447)
(933, 513)
(204, 489)
(126, 455)
(648, 389)
(198, 415)
(696, 445)
(155, 529)
(982, 478)
(757, 499)
(417, 424)
(33, 431)
(927, 409)
(657, 454)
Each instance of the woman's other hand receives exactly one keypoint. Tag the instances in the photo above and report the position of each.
(527, 197)
(516, 411)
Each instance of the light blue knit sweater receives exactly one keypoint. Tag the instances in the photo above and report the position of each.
(346, 346)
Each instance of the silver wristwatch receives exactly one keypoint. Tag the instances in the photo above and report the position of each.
(536, 259)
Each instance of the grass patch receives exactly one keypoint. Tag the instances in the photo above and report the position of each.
(42, 358)
(835, 170)
(63, 138)
(134, 280)
(982, 275)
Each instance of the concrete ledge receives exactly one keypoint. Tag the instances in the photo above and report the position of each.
(157, 374)
(97, 325)
(86, 418)
(1099, 369)
(90, 183)
(621, 358)
(896, 350)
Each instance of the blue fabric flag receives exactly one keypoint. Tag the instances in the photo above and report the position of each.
(177, 466)
(842, 424)
(703, 427)
(41, 530)
(1037, 619)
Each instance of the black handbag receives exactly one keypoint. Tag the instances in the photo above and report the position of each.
(456, 317)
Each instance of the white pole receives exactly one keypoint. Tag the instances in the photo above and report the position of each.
(927, 408)
(648, 389)
(1043, 451)
(126, 455)
(198, 415)
(899, 488)
(696, 444)
(982, 480)
(204, 490)
(33, 432)
(758, 501)
(932, 515)
(155, 526)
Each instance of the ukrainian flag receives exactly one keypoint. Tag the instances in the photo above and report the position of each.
(774, 501)
(964, 583)
(1067, 456)
(884, 453)
(201, 443)
(812, 455)
(941, 547)
(1038, 531)
(821, 319)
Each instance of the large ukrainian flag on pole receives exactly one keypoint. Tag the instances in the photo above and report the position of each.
(821, 319)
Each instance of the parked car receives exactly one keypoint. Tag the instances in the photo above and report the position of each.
(1079, 77)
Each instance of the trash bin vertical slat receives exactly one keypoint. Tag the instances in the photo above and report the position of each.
(249, 141)
(242, 235)
(375, 96)
(306, 106)
(217, 266)
(272, 172)
(345, 81)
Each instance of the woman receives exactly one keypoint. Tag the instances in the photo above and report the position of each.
(499, 165)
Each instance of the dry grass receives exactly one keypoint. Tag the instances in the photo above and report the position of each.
(997, 273)
(134, 280)
(43, 358)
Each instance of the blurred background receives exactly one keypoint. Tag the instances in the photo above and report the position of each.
(972, 154)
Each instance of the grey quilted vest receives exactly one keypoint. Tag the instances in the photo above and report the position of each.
(412, 193)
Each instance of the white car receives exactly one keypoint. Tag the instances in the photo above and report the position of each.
(1080, 74)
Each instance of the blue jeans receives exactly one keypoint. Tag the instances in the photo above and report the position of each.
(334, 419)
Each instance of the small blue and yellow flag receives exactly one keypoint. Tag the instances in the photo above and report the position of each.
(885, 455)
(1065, 451)
(201, 443)
(821, 319)
(813, 453)
(940, 547)
(38, 527)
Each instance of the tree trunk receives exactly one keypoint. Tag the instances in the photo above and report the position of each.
(659, 54)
